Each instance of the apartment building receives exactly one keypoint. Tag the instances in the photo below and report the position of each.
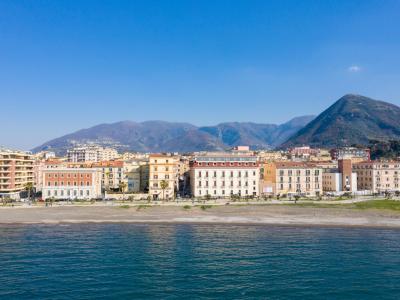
(377, 176)
(353, 153)
(224, 175)
(16, 172)
(340, 179)
(112, 174)
(292, 178)
(71, 183)
(136, 171)
(91, 153)
(163, 176)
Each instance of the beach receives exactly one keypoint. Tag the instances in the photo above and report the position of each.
(229, 214)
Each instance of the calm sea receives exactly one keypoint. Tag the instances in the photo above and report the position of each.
(126, 261)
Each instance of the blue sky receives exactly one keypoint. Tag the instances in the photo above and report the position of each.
(67, 65)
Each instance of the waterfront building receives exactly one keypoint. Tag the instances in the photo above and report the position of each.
(71, 183)
(340, 179)
(133, 170)
(378, 176)
(224, 175)
(112, 174)
(292, 178)
(163, 176)
(16, 172)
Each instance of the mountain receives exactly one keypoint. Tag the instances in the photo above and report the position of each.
(353, 119)
(160, 136)
(256, 135)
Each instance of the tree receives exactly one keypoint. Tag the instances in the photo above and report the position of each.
(6, 199)
(163, 185)
(122, 186)
(29, 188)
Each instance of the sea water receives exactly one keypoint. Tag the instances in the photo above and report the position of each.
(128, 261)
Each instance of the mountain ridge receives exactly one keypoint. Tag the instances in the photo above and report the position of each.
(163, 136)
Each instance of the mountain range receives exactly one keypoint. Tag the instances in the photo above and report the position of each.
(353, 119)
(161, 136)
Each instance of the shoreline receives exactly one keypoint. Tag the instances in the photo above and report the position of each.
(218, 215)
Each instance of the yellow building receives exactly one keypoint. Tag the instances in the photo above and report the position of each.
(163, 176)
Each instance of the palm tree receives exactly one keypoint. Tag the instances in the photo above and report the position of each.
(163, 185)
(29, 188)
(122, 186)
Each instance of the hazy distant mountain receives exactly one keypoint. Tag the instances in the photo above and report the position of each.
(256, 135)
(353, 119)
(159, 136)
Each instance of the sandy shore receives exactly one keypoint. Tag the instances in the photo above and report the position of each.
(249, 214)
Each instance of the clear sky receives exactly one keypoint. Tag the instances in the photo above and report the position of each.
(67, 65)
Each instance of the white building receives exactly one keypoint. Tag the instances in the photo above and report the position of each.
(224, 175)
(71, 183)
(91, 153)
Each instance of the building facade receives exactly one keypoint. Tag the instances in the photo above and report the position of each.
(163, 176)
(112, 174)
(355, 154)
(16, 172)
(378, 177)
(225, 175)
(71, 183)
(292, 178)
(91, 153)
